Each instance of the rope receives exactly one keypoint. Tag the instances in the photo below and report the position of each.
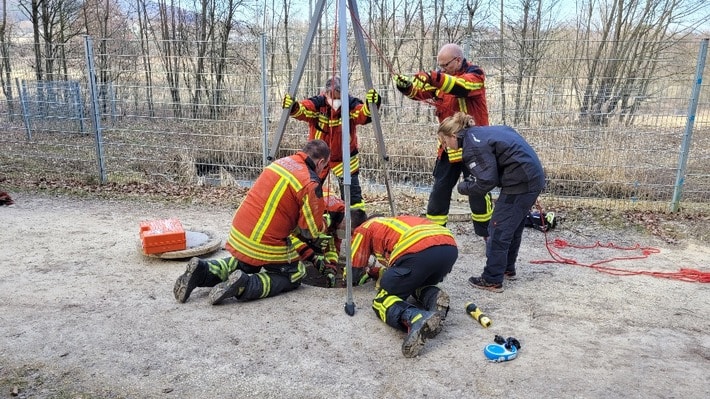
(683, 274)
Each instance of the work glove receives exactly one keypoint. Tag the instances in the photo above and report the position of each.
(423, 77)
(288, 102)
(373, 96)
(360, 276)
(322, 241)
(403, 83)
(326, 269)
(436, 78)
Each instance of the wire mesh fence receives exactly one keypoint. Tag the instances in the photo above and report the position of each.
(170, 116)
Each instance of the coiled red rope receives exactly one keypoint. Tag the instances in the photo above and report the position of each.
(683, 274)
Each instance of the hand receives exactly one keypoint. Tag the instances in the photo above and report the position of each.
(436, 78)
(373, 97)
(360, 276)
(288, 102)
(423, 77)
(322, 241)
(403, 83)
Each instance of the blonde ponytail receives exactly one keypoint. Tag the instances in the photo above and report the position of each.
(452, 125)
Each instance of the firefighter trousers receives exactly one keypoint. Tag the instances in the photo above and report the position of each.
(263, 281)
(406, 275)
(446, 176)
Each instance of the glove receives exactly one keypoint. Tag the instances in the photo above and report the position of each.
(423, 77)
(402, 83)
(326, 269)
(373, 97)
(288, 102)
(322, 241)
(360, 276)
(436, 78)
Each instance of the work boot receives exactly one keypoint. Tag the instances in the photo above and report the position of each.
(234, 286)
(194, 276)
(421, 324)
(435, 299)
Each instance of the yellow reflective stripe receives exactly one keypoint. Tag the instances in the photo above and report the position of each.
(359, 205)
(324, 120)
(462, 104)
(270, 207)
(311, 114)
(355, 244)
(449, 82)
(354, 166)
(300, 111)
(222, 268)
(455, 155)
(441, 220)
(307, 213)
(300, 272)
(265, 283)
(382, 302)
(256, 250)
(416, 234)
(484, 217)
(286, 174)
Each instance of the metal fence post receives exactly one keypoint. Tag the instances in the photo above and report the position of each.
(22, 90)
(688, 134)
(91, 72)
(264, 105)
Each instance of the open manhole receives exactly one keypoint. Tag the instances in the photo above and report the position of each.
(315, 279)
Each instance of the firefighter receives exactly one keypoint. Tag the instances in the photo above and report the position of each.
(457, 85)
(325, 259)
(417, 254)
(497, 156)
(322, 113)
(286, 197)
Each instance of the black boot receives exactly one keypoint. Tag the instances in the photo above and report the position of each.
(421, 324)
(234, 286)
(434, 299)
(193, 277)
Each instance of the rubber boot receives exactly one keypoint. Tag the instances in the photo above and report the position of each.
(434, 299)
(421, 325)
(194, 276)
(234, 286)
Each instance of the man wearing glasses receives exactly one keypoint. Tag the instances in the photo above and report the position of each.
(456, 86)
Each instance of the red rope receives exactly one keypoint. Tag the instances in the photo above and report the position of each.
(683, 274)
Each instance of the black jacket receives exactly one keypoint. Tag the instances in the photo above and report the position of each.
(498, 156)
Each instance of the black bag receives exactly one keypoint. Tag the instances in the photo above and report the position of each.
(545, 223)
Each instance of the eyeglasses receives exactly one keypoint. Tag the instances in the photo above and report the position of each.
(444, 66)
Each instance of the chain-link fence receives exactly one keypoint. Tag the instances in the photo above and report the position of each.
(171, 116)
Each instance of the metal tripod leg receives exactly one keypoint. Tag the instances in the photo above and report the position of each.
(317, 13)
(367, 76)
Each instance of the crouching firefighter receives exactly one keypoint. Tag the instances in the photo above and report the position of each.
(287, 197)
(417, 254)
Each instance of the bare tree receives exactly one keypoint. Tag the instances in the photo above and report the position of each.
(5, 65)
(631, 36)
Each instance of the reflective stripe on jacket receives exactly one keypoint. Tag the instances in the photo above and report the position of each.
(285, 198)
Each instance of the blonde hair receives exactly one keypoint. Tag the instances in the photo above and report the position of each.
(452, 125)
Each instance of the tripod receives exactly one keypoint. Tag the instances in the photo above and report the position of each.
(365, 68)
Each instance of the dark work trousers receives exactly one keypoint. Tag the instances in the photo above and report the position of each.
(446, 176)
(356, 201)
(265, 281)
(409, 272)
(505, 231)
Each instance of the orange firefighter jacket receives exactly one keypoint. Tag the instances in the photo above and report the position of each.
(286, 198)
(388, 238)
(464, 91)
(325, 124)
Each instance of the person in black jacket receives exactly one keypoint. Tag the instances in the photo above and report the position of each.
(497, 156)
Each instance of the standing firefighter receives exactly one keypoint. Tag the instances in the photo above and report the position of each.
(417, 254)
(286, 197)
(497, 156)
(456, 86)
(323, 115)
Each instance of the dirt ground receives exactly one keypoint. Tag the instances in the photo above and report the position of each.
(85, 315)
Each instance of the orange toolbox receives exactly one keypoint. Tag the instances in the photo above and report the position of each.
(165, 235)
